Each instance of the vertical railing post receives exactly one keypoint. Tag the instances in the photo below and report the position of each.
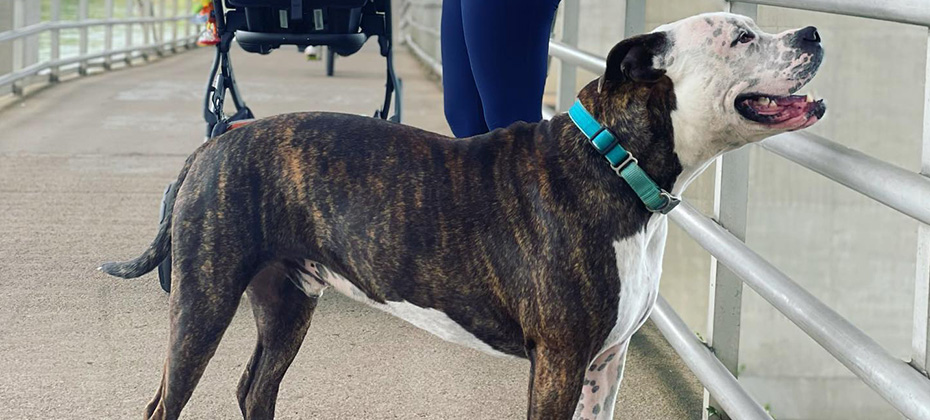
(187, 23)
(568, 74)
(174, 26)
(921, 335)
(108, 35)
(635, 21)
(18, 50)
(731, 195)
(55, 40)
(82, 40)
(128, 56)
(147, 28)
(161, 27)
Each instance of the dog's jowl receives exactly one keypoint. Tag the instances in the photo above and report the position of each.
(522, 242)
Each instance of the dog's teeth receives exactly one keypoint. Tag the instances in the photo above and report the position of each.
(765, 101)
(809, 98)
(773, 104)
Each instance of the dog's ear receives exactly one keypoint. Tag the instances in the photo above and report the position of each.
(632, 59)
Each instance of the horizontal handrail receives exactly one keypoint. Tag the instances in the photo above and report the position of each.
(577, 57)
(73, 24)
(36, 68)
(407, 21)
(430, 61)
(894, 380)
(733, 399)
(916, 12)
(898, 188)
(425, 3)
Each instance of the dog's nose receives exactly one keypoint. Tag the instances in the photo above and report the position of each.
(810, 34)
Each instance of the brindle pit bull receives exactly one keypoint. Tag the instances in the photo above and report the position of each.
(521, 242)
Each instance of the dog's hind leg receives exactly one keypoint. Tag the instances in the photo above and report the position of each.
(203, 300)
(555, 383)
(282, 315)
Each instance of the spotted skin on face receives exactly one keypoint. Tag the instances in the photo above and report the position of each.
(711, 64)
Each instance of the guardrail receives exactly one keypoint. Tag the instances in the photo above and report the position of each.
(904, 385)
(157, 28)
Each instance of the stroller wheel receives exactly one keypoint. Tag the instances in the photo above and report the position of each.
(164, 267)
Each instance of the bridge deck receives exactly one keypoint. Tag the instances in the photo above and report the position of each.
(82, 169)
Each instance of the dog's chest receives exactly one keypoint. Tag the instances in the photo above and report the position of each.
(639, 267)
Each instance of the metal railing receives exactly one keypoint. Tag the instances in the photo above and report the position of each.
(903, 385)
(164, 29)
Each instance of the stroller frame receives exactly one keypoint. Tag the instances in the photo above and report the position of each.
(375, 21)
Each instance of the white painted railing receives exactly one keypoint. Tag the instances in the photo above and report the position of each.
(904, 385)
(171, 33)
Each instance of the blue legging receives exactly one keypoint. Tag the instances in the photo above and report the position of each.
(494, 56)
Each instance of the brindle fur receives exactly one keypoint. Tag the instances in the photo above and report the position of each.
(507, 233)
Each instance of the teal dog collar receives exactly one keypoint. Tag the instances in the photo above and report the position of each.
(622, 162)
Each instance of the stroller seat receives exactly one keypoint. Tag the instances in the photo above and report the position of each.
(272, 23)
(260, 26)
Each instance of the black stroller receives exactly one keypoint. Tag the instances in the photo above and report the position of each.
(260, 26)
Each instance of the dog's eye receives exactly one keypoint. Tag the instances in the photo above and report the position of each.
(746, 37)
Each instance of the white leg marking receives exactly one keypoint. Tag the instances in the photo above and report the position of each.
(639, 264)
(310, 281)
(601, 385)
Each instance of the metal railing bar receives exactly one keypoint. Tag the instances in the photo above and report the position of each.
(577, 57)
(424, 3)
(75, 24)
(895, 187)
(407, 21)
(430, 61)
(894, 380)
(36, 68)
(920, 336)
(915, 12)
(733, 399)
(548, 112)
(23, 73)
(25, 31)
(566, 89)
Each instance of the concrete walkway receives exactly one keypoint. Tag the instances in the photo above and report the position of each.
(82, 169)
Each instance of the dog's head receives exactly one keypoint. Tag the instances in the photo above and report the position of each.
(733, 83)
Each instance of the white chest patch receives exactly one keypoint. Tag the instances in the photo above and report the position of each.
(429, 319)
(639, 263)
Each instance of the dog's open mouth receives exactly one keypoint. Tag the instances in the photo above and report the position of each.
(791, 112)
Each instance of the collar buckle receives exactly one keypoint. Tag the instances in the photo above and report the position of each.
(670, 203)
(629, 160)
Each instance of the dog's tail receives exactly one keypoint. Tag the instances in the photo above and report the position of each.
(161, 246)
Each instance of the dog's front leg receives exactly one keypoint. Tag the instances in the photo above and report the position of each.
(601, 384)
(555, 382)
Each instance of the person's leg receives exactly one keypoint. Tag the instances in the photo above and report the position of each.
(460, 95)
(508, 43)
